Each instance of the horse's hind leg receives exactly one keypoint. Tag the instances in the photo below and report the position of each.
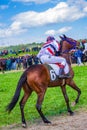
(63, 88)
(74, 86)
(38, 106)
(27, 93)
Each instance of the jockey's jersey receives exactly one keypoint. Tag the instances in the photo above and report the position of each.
(49, 48)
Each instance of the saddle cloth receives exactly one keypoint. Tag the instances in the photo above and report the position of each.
(53, 71)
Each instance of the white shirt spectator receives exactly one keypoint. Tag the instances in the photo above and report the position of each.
(85, 44)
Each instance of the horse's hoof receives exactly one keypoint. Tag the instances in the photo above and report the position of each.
(46, 121)
(71, 113)
(24, 125)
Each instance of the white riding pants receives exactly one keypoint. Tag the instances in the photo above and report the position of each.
(46, 59)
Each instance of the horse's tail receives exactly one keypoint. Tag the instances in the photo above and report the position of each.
(15, 98)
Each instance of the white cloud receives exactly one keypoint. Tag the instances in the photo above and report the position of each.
(30, 1)
(59, 31)
(62, 12)
(3, 7)
(80, 3)
(14, 29)
(64, 30)
(85, 9)
(51, 32)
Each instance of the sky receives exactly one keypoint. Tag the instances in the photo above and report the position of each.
(28, 21)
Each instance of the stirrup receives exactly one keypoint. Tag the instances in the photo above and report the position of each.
(64, 76)
(68, 75)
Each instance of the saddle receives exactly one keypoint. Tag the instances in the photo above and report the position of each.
(53, 75)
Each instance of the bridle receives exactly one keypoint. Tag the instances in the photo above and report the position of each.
(72, 43)
(66, 52)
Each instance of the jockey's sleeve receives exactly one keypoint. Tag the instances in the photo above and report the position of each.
(56, 45)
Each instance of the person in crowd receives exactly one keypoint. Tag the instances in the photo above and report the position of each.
(29, 60)
(49, 55)
(78, 55)
(85, 47)
(14, 64)
(82, 47)
(36, 60)
(24, 62)
(19, 61)
(8, 64)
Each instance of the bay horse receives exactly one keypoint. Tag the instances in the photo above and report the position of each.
(37, 78)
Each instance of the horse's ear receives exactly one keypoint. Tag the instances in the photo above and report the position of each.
(61, 37)
(64, 36)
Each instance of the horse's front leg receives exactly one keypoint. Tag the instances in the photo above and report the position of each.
(63, 88)
(74, 86)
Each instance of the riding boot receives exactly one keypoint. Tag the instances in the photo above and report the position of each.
(61, 74)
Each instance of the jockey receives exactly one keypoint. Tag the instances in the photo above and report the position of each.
(49, 55)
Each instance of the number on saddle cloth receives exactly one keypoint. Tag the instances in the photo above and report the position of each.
(53, 75)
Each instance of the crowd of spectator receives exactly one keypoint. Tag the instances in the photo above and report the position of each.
(22, 62)
(18, 63)
(80, 53)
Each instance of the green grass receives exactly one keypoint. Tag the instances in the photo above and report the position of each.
(54, 103)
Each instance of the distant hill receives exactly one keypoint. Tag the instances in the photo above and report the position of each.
(21, 46)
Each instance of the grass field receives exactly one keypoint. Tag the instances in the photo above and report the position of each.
(53, 104)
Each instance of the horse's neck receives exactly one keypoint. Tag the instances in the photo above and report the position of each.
(65, 52)
(65, 48)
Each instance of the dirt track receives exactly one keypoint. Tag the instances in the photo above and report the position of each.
(66, 122)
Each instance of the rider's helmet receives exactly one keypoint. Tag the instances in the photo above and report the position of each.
(50, 38)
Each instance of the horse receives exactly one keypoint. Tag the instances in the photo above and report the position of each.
(37, 78)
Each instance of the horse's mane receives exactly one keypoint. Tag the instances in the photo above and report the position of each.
(60, 46)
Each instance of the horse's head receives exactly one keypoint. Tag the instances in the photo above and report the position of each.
(68, 43)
